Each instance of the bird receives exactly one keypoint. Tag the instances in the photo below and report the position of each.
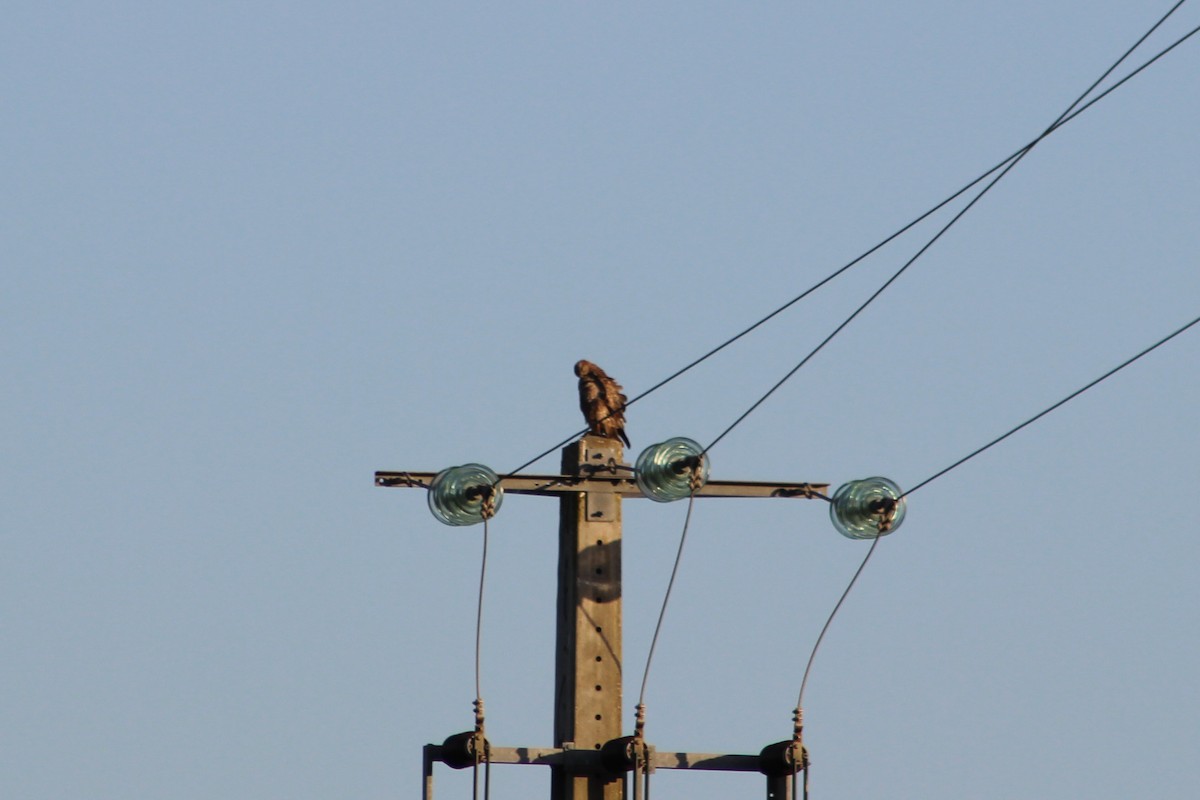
(601, 401)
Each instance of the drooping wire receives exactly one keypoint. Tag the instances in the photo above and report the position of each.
(1047, 410)
(1066, 115)
(662, 612)
(479, 609)
(480, 745)
(799, 756)
(641, 773)
(1058, 121)
(821, 636)
(915, 221)
(1062, 119)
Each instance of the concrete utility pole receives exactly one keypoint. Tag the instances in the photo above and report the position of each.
(587, 759)
(587, 655)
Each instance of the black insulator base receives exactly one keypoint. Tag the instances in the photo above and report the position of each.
(779, 759)
(619, 755)
(459, 751)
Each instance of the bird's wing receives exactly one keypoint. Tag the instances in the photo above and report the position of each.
(613, 396)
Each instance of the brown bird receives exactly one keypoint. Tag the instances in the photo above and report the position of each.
(601, 402)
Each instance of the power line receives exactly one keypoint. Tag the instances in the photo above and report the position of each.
(825, 628)
(962, 212)
(662, 612)
(821, 636)
(960, 462)
(1005, 166)
(479, 609)
(1046, 411)
(899, 232)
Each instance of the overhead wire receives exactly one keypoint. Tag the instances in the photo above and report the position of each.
(798, 714)
(1005, 166)
(829, 620)
(642, 781)
(941, 231)
(1066, 115)
(666, 598)
(1064, 120)
(1048, 409)
(479, 610)
(480, 746)
(1072, 111)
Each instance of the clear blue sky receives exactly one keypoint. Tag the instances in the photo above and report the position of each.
(253, 252)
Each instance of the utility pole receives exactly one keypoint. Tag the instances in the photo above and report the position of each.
(587, 657)
(588, 758)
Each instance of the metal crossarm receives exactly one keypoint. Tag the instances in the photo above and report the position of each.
(613, 483)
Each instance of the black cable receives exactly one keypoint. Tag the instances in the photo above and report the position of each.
(1015, 154)
(479, 608)
(545, 453)
(821, 636)
(1012, 163)
(868, 301)
(482, 749)
(666, 597)
(1064, 117)
(1046, 411)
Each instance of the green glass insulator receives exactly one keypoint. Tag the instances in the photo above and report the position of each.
(664, 471)
(867, 508)
(457, 495)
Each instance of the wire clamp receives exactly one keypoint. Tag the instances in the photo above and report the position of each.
(487, 510)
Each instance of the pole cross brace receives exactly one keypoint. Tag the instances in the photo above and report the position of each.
(588, 761)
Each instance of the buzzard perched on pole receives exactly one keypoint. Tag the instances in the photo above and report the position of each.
(601, 401)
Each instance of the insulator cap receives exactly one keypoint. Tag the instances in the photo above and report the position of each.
(460, 495)
(459, 750)
(664, 471)
(780, 758)
(867, 508)
(619, 755)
